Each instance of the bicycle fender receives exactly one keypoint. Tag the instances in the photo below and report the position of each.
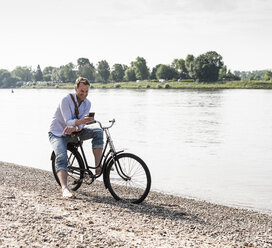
(107, 160)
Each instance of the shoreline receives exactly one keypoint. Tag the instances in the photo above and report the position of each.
(146, 84)
(34, 214)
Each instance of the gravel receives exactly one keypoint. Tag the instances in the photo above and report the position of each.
(33, 214)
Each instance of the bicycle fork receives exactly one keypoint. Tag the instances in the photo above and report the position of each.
(117, 164)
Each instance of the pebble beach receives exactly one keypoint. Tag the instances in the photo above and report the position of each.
(34, 214)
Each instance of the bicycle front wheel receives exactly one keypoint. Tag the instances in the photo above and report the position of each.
(75, 168)
(128, 178)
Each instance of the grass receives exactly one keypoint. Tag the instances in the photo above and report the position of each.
(186, 84)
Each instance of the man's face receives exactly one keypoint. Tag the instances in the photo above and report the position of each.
(82, 91)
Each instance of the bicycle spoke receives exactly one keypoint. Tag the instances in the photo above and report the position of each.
(131, 179)
(75, 169)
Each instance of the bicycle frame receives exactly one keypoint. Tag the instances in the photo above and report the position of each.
(106, 157)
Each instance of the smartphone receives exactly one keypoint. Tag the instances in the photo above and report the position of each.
(91, 114)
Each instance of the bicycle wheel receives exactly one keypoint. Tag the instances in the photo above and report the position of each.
(129, 180)
(75, 168)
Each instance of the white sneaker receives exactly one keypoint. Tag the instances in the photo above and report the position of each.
(66, 193)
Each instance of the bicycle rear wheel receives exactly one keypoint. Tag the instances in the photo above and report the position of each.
(75, 168)
(129, 180)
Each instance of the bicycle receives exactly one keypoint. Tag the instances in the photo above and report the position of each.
(125, 175)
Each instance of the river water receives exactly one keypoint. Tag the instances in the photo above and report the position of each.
(203, 144)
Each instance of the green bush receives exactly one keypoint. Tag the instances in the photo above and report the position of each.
(159, 86)
(91, 86)
(186, 80)
(167, 86)
(117, 86)
(148, 86)
(56, 86)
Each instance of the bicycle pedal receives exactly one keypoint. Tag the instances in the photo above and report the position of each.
(77, 181)
(88, 178)
(89, 181)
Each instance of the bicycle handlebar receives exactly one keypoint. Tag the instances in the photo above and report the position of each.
(93, 122)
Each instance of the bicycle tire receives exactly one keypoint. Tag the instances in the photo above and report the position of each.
(129, 180)
(75, 168)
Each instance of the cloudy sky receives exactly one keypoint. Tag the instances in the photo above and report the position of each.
(56, 32)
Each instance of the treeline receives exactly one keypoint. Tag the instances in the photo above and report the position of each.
(265, 75)
(208, 67)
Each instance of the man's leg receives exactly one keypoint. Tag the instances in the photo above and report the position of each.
(62, 175)
(97, 157)
(96, 134)
(59, 145)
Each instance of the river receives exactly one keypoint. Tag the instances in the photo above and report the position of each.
(212, 145)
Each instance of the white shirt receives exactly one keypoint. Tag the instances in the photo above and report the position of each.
(65, 114)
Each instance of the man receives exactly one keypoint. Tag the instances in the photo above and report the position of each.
(71, 115)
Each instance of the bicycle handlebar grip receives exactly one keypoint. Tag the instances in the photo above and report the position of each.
(91, 122)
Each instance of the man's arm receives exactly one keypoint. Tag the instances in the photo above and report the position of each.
(84, 117)
(73, 124)
(66, 112)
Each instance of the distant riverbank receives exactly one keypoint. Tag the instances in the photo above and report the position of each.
(33, 213)
(162, 85)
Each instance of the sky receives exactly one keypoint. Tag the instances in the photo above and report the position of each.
(57, 32)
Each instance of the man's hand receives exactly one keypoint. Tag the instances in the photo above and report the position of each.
(68, 130)
(84, 120)
(87, 119)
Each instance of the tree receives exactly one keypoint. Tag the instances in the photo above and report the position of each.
(83, 62)
(227, 75)
(103, 70)
(189, 64)
(87, 71)
(253, 75)
(47, 73)
(6, 80)
(117, 73)
(140, 68)
(207, 66)
(153, 74)
(179, 66)
(64, 74)
(69, 73)
(166, 72)
(222, 73)
(130, 74)
(24, 74)
(38, 74)
(55, 76)
(58, 75)
(267, 75)
(48, 70)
